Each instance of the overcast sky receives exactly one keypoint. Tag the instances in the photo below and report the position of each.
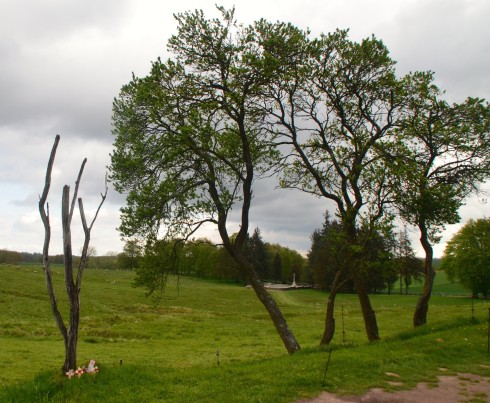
(62, 63)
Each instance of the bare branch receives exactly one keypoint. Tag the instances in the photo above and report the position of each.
(87, 230)
(47, 238)
(47, 182)
(101, 203)
(77, 185)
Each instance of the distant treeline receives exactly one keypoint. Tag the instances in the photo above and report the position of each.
(273, 262)
(13, 257)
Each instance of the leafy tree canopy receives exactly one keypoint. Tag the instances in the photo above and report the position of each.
(467, 256)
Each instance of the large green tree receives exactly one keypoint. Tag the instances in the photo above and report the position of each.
(443, 157)
(335, 102)
(467, 256)
(189, 142)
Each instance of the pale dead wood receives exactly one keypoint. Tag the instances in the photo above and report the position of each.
(70, 334)
(44, 212)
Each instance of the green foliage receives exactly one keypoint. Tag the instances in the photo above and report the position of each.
(287, 262)
(103, 262)
(160, 259)
(10, 257)
(188, 136)
(467, 256)
(443, 154)
(331, 254)
(328, 254)
(130, 256)
(200, 258)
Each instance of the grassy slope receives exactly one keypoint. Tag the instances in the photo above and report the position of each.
(169, 352)
(442, 286)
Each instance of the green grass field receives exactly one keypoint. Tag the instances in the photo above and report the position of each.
(213, 342)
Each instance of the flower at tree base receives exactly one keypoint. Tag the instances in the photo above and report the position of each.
(92, 368)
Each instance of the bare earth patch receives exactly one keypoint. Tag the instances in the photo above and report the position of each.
(450, 389)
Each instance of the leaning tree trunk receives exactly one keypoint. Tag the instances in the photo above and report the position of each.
(420, 314)
(368, 313)
(329, 329)
(271, 306)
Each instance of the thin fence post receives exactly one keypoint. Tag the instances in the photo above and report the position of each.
(488, 333)
(343, 326)
(326, 367)
(472, 308)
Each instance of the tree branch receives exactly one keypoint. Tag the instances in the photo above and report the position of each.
(47, 238)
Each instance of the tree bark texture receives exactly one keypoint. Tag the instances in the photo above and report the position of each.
(73, 293)
(422, 307)
(44, 212)
(329, 329)
(272, 308)
(368, 313)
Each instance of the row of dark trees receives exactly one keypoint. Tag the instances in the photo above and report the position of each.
(388, 258)
(236, 104)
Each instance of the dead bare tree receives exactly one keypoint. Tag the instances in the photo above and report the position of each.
(72, 284)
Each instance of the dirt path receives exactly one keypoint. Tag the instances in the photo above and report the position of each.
(450, 389)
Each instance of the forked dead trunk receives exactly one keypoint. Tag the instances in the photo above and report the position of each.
(72, 285)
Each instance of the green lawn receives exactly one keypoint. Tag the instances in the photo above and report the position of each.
(171, 352)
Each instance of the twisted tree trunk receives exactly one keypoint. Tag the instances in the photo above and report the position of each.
(329, 329)
(422, 307)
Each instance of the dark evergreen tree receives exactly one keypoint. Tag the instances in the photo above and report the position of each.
(257, 254)
(277, 268)
(327, 254)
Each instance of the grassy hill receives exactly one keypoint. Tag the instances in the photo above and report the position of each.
(442, 286)
(213, 342)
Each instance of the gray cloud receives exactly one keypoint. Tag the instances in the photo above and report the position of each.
(63, 62)
(449, 37)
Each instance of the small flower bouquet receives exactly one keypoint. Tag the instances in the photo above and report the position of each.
(91, 369)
